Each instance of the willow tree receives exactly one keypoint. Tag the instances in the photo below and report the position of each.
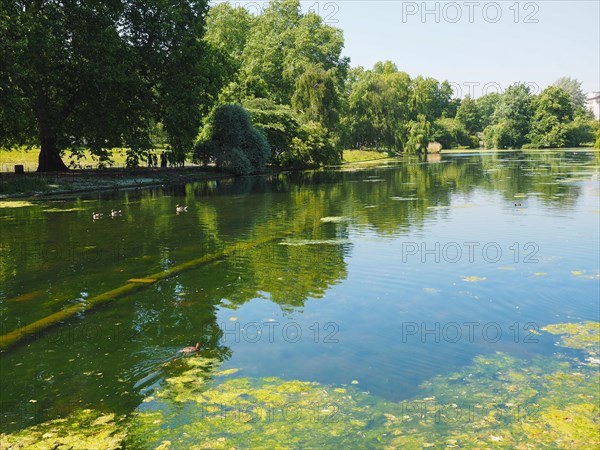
(315, 97)
(97, 74)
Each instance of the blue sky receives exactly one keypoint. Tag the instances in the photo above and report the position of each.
(492, 49)
(565, 41)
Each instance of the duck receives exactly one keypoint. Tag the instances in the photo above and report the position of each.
(114, 213)
(97, 216)
(190, 349)
(180, 208)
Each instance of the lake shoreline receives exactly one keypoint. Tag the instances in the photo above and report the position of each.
(36, 185)
(41, 185)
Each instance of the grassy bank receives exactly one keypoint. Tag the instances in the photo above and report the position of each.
(362, 155)
(29, 159)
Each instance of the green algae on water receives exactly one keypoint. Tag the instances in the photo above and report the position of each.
(498, 401)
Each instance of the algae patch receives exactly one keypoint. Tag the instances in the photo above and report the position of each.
(498, 401)
(473, 279)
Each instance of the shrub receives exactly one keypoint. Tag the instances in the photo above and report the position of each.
(233, 143)
(312, 148)
(451, 133)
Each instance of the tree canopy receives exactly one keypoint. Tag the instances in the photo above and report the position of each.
(98, 74)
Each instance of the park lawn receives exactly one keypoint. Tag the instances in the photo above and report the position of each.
(29, 159)
(362, 155)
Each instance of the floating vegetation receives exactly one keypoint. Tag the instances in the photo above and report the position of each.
(15, 204)
(497, 401)
(63, 210)
(85, 429)
(301, 242)
(473, 278)
(335, 219)
(442, 207)
(430, 290)
(583, 336)
(582, 274)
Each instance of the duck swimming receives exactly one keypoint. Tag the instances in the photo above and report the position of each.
(114, 213)
(97, 216)
(190, 349)
(180, 208)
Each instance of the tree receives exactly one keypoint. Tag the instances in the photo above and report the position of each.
(450, 133)
(511, 118)
(378, 106)
(312, 148)
(284, 43)
(430, 98)
(581, 131)
(468, 115)
(573, 87)
(234, 144)
(315, 98)
(486, 105)
(100, 74)
(228, 28)
(553, 110)
(418, 135)
(278, 122)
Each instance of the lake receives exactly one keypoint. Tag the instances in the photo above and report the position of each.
(364, 302)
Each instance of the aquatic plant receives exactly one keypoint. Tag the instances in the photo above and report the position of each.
(498, 401)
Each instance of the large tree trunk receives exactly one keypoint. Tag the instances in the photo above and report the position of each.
(49, 159)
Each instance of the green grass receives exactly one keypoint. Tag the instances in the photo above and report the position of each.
(29, 159)
(362, 155)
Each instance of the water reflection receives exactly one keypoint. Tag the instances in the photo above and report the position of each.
(352, 271)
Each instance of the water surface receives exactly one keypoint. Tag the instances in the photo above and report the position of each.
(380, 277)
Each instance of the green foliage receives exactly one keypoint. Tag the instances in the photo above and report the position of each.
(469, 116)
(384, 105)
(430, 98)
(234, 144)
(597, 144)
(228, 28)
(313, 148)
(573, 87)
(284, 43)
(451, 133)
(378, 105)
(418, 135)
(278, 122)
(504, 134)
(511, 120)
(555, 124)
(315, 98)
(486, 105)
(581, 131)
(99, 74)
